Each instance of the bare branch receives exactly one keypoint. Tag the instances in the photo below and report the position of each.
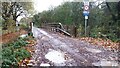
(113, 16)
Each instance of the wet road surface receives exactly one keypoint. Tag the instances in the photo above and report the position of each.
(53, 49)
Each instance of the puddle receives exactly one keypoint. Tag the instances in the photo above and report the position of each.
(55, 57)
(105, 63)
(93, 50)
(44, 64)
(24, 35)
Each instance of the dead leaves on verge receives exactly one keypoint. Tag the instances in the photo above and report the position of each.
(101, 42)
(30, 48)
(6, 38)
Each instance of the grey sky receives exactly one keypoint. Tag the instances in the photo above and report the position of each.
(41, 5)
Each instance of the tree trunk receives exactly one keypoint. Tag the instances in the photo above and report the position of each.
(118, 8)
(113, 16)
(75, 31)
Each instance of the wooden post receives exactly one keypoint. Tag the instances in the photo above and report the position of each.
(30, 26)
(75, 31)
(30, 29)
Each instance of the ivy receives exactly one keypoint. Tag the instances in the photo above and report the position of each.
(14, 52)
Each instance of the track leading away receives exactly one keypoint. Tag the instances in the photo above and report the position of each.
(57, 50)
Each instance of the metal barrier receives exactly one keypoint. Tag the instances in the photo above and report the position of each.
(56, 27)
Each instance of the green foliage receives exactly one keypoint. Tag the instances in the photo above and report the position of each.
(8, 26)
(30, 34)
(19, 43)
(21, 54)
(103, 22)
(36, 20)
(13, 53)
(80, 30)
(24, 26)
(95, 32)
(69, 13)
(11, 11)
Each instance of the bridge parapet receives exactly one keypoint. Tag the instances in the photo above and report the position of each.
(56, 27)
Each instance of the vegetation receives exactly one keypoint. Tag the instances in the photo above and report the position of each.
(14, 52)
(11, 11)
(103, 22)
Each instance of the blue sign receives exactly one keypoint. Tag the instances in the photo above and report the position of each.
(85, 13)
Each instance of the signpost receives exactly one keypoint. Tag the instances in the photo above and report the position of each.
(86, 12)
(86, 7)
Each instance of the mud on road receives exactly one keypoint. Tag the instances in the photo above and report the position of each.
(53, 49)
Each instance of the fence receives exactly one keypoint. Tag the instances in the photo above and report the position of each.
(55, 27)
(58, 27)
(71, 29)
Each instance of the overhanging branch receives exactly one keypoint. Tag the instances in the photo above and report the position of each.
(113, 16)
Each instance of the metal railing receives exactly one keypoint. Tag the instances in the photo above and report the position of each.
(56, 27)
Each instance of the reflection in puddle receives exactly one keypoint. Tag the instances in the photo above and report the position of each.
(24, 35)
(93, 50)
(44, 64)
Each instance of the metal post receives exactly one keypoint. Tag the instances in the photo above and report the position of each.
(85, 26)
(86, 13)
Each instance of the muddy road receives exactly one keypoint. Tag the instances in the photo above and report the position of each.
(53, 49)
